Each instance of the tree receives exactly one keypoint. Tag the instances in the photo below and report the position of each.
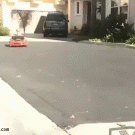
(25, 17)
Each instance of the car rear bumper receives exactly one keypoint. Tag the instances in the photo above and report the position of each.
(18, 44)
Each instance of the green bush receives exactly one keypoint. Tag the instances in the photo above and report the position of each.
(95, 40)
(96, 29)
(4, 31)
(108, 38)
(131, 41)
(118, 27)
(84, 30)
(113, 29)
(131, 35)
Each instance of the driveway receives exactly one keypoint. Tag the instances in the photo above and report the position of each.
(40, 36)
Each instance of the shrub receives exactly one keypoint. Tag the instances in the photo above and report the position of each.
(84, 30)
(118, 27)
(113, 29)
(131, 41)
(4, 31)
(108, 38)
(95, 31)
(131, 35)
(95, 40)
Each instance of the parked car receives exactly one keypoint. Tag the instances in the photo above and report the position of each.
(55, 24)
(18, 41)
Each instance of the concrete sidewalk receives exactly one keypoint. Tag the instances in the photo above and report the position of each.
(21, 118)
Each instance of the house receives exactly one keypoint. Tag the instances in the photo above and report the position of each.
(38, 9)
(79, 12)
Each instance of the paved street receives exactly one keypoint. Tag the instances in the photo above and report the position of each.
(73, 83)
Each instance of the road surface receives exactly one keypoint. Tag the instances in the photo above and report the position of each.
(73, 83)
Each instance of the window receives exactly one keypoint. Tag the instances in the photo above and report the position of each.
(77, 8)
(124, 8)
(98, 10)
(114, 7)
(119, 7)
(114, 3)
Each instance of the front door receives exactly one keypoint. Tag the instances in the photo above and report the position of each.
(89, 14)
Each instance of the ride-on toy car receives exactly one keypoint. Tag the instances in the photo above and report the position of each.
(18, 41)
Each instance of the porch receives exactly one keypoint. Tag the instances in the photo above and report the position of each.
(84, 12)
(79, 12)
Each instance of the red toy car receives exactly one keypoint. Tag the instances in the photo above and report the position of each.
(18, 41)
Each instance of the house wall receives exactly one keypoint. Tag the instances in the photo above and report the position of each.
(62, 8)
(76, 20)
(0, 11)
(131, 14)
(12, 22)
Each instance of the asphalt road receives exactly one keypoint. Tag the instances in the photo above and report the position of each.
(73, 83)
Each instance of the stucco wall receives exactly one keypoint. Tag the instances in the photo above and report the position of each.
(0, 11)
(76, 20)
(132, 12)
(63, 8)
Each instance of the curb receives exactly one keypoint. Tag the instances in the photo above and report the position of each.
(104, 128)
(109, 44)
(130, 46)
(104, 43)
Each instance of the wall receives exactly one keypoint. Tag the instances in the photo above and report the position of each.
(6, 14)
(34, 24)
(0, 11)
(132, 12)
(62, 8)
(12, 22)
(76, 20)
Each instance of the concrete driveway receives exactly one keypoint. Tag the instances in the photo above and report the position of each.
(40, 36)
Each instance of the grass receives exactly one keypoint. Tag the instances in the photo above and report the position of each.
(131, 41)
(95, 40)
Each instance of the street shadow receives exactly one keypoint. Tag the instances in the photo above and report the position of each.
(7, 45)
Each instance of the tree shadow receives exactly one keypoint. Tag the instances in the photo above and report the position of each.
(7, 45)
